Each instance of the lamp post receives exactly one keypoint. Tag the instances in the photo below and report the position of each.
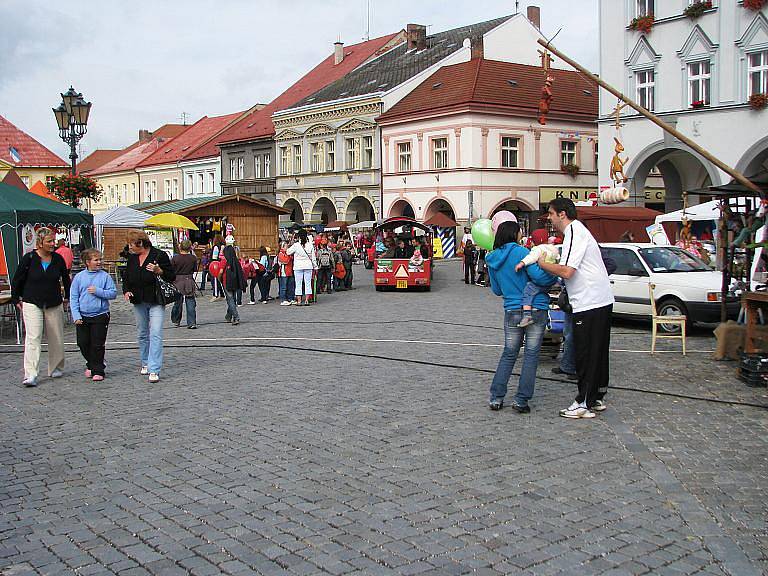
(72, 118)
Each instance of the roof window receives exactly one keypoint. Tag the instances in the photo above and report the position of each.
(512, 83)
(436, 85)
(587, 92)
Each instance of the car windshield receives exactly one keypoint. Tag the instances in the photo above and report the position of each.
(669, 259)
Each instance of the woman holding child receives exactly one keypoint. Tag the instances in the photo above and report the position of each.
(510, 282)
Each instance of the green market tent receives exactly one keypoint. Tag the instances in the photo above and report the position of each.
(20, 207)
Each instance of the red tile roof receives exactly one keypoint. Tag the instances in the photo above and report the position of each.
(258, 124)
(493, 86)
(190, 140)
(19, 149)
(131, 158)
(166, 131)
(95, 159)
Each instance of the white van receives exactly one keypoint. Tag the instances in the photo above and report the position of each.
(684, 284)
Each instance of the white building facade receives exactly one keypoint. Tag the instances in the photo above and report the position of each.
(698, 75)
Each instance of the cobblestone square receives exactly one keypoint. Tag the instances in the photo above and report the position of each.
(353, 437)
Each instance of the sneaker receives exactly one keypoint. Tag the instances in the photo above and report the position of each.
(285, 303)
(252, 302)
(521, 409)
(154, 377)
(236, 321)
(239, 305)
(177, 324)
(577, 411)
(599, 406)
(496, 404)
(98, 378)
(526, 321)
(193, 327)
(569, 375)
(264, 301)
(88, 373)
(57, 373)
(144, 371)
(30, 382)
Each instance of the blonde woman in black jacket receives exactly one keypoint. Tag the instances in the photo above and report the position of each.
(39, 287)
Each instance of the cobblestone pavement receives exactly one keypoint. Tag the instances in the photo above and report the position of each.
(353, 437)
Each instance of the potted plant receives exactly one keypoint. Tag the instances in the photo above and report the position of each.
(696, 104)
(755, 5)
(696, 9)
(571, 169)
(758, 101)
(642, 24)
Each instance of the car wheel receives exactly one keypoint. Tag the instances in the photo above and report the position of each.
(671, 307)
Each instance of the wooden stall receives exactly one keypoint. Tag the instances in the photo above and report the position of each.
(255, 221)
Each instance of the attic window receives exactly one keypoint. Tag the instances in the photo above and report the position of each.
(343, 93)
(311, 99)
(436, 85)
(587, 92)
(185, 148)
(512, 83)
(373, 82)
(383, 85)
(15, 156)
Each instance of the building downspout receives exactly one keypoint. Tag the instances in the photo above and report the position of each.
(381, 173)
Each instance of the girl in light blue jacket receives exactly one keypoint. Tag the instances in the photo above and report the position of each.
(89, 297)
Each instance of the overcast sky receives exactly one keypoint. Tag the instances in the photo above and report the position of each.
(144, 62)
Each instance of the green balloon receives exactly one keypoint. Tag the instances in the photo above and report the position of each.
(482, 234)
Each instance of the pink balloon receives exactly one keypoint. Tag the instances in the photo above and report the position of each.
(499, 217)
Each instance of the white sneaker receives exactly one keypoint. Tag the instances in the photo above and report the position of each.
(285, 303)
(251, 302)
(599, 406)
(57, 373)
(30, 382)
(144, 370)
(577, 411)
(154, 377)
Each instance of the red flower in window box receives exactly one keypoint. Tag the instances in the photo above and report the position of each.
(571, 169)
(642, 24)
(697, 9)
(697, 104)
(758, 101)
(755, 5)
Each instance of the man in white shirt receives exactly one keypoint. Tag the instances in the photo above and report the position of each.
(590, 295)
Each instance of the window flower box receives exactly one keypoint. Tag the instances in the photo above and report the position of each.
(696, 104)
(758, 101)
(696, 9)
(571, 169)
(755, 5)
(642, 24)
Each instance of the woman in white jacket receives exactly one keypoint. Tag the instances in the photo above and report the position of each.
(304, 263)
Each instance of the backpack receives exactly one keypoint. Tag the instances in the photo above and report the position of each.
(324, 258)
(340, 272)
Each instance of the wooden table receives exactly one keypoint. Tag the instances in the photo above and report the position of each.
(752, 302)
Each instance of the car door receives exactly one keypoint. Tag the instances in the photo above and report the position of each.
(629, 282)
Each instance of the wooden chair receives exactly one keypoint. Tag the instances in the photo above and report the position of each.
(656, 319)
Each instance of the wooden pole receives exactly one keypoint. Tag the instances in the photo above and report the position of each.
(736, 175)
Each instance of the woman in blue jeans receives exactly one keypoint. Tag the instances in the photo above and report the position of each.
(507, 282)
(145, 264)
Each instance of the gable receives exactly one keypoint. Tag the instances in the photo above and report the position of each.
(356, 125)
(287, 135)
(320, 130)
(756, 34)
(696, 45)
(642, 54)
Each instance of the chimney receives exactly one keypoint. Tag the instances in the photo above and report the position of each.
(338, 52)
(476, 47)
(416, 35)
(534, 15)
(145, 135)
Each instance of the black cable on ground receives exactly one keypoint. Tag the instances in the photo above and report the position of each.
(437, 365)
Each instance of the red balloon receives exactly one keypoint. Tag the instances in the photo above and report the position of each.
(214, 268)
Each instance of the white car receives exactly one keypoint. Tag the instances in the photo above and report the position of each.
(683, 283)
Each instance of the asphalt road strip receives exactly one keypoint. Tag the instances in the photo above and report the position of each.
(352, 340)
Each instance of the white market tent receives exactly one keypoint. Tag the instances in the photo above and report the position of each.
(117, 217)
(363, 225)
(706, 211)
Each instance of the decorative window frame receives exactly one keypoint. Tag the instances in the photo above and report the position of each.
(328, 152)
(432, 151)
(698, 47)
(364, 148)
(355, 151)
(297, 157)
(576, 151)
(256, 166)
(642, 58)
(747, 44)
(520, 150)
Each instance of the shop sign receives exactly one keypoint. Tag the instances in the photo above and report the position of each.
(655, 195)
(577, 194)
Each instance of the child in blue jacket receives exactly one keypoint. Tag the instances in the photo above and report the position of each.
(89, 297)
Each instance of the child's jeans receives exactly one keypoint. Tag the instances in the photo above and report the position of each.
(530, 292)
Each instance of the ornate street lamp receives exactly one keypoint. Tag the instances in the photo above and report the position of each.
(72, 118)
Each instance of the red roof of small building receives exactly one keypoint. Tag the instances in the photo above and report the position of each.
(97, 158)
(19, 149)
(190, 140)
(131, 158)
(494, 86)
(258, 124)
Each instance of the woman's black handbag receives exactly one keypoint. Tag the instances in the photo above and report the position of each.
(166, 293)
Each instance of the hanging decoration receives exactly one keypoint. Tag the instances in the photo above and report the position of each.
(617, 193)
(546, 91)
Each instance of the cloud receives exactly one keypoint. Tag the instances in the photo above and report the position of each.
(142, 63)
